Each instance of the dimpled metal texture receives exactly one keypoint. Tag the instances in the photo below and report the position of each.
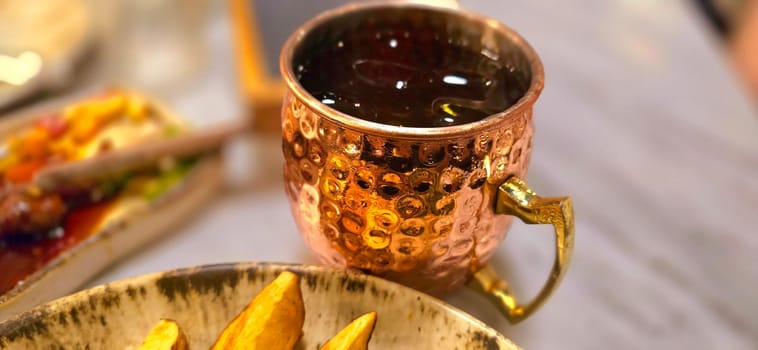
(413, 205)
(419, 213)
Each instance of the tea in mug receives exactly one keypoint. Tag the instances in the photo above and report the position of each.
(412, 78)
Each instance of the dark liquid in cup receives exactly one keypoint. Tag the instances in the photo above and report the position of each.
(408, 78)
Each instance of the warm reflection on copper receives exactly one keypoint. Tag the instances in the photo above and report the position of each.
(428, 224)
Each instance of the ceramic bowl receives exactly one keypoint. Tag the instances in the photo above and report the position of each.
(204, 299)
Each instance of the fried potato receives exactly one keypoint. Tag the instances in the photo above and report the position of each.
(165, 335)
(355, 336)
(272, 321)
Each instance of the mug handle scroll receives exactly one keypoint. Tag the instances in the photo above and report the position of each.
(515, 198)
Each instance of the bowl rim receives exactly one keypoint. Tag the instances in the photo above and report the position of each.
(32, 316)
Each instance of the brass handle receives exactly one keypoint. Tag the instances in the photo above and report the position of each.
(516, 198)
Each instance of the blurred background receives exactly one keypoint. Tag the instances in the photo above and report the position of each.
(171, 47)
(649, 120)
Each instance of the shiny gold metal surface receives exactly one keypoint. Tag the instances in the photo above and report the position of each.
(415, 205)
(517, 199)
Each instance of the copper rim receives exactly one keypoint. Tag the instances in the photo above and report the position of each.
(492, 121)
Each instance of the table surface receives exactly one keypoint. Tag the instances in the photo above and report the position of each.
(641, 122)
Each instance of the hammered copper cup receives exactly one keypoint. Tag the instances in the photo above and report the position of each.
(425, 207)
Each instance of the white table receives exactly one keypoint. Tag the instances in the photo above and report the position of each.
(641, 121)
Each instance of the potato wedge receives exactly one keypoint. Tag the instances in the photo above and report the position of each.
(165, 335)
(272, 321)
(355, 336)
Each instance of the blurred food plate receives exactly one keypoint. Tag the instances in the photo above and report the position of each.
(56, 234)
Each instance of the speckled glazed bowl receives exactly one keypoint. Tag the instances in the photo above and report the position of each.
(204, 299)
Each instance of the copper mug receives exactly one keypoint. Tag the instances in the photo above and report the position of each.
(425, 207)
